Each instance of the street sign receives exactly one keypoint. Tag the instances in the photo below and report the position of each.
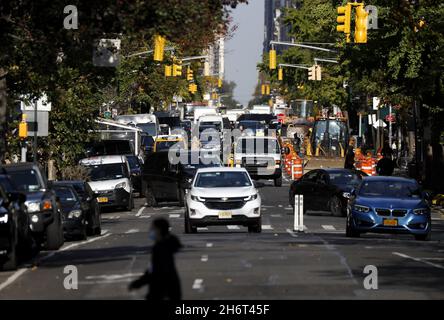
(379, 124)
(41, 124)
(376, 102)
(42, 104)
(390, 118)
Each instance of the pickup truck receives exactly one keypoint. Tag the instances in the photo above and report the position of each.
(44, 214)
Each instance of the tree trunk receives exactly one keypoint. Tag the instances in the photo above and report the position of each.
(3, 112)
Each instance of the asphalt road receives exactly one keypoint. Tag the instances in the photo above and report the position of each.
(229, 263)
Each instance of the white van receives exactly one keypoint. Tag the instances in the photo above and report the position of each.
(148, 123)
(203, 110)
(110, 180)
(261, 156)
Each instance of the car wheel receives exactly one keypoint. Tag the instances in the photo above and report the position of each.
(54, 234)
(278, 182)
(423, 237)
(336, 206)
(150, 199)
(11, 257)
(350, 232)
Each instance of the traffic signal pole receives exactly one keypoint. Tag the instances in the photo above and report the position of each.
(303, 45)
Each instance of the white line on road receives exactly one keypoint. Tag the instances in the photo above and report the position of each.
(197, 284)
(132, 231)
(328, 227)
(292, 233)
(280, 206)
(144, 217)
(204, 258)
(139, 213)
(12, 278)
(209, 245)
(418, 260)
(287, 208)
(275, 215)
(202, 229)
(233, 227)
(174, 216)
(267, 227)
(78, 244)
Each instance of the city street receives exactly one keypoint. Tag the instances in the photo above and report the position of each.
(226, 262)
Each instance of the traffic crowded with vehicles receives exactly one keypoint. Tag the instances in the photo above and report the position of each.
(147, 164)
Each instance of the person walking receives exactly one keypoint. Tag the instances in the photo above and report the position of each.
(349, 162)
(385, 166)
(163, 279)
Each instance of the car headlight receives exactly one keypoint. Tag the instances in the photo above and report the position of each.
(74, 214)
(251, 198)
(360, 208)
(4, 219)
(421, 211)
(346, 195)
(121, 185)
(195, 198)
(33, 206)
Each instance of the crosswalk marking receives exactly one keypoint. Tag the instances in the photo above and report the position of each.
(328, 227)
(233, 227)
(174, 216)
(132, 231)
(145, 217)
(275, 215)
(204, 258)
(267, 227)
(202, 229)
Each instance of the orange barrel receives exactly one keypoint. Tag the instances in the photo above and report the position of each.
(374, 161)
(297, 169)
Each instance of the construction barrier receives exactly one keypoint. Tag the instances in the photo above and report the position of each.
(297, 168)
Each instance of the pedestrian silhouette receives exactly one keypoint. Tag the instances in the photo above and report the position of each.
(385, 166)
(163, 279)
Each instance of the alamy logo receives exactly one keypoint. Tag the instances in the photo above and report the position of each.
(71, 281)
(71, 21)
(371, 280)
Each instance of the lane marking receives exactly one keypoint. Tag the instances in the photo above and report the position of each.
(113, 276)
(418, 260)
(280, 206)
(328, 227)
(267, 227)
(132, 231)
(276, 215)
(144, 217)
(204, 258)
(12, 278)
(202, 229)
(287, 208)
(233, 227)
(174, 216)
(20, 272)
(139, 213)
(209, 245)
(197, 284)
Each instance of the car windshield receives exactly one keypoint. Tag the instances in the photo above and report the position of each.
(344, 178)
(25, 180)
(133, 162)
(165, 145)
(65, 194)
(107, 171)
(148, 128)
(258, 146)
(390, 189)
(196, 161)
(210, 124)
(251, 125)
(224, 179)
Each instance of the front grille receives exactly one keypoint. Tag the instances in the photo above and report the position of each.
(257, 162)
(399, 213)
(383, 212)
(224, 203)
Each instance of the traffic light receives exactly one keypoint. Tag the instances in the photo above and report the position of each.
(344, 20)
(263, 89)
(361, 25)
(280, 74)
(219, 82)
(267, 89)
(189, 74)
(192, 87)
(272, 57)
(312, 73)
(159, 47)
(318, 72)
(214, 96)
(177, 68)
(23, 128)
(168, 71)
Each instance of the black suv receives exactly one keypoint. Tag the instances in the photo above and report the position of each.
(46, 220)
(166, 178)
(15, 236)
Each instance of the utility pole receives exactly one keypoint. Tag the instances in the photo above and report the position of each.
(35, 132)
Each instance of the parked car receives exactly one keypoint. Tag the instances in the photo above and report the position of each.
(222, 196)
(165, 179)
(46, 221)
(326, 189)
(89, 201)
(389, 205)
(74, 213)
(15, 235)
(135, 165)
(110, 181)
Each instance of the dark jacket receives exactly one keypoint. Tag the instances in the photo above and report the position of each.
(163, 280)
(385, 167)
(349, 159)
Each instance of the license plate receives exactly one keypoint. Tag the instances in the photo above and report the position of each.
(102, 199)
(225, 214)
(390, 222)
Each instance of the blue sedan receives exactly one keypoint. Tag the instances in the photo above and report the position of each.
(389, 205)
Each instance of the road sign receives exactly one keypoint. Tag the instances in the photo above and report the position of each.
(41, 124)
(390, 118)
(42, 104)
(376, 102)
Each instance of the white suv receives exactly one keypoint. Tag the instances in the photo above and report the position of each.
(222, 196)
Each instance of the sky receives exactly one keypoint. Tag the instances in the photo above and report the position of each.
(243, 51)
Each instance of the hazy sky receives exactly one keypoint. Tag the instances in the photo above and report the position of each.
(243, 51)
